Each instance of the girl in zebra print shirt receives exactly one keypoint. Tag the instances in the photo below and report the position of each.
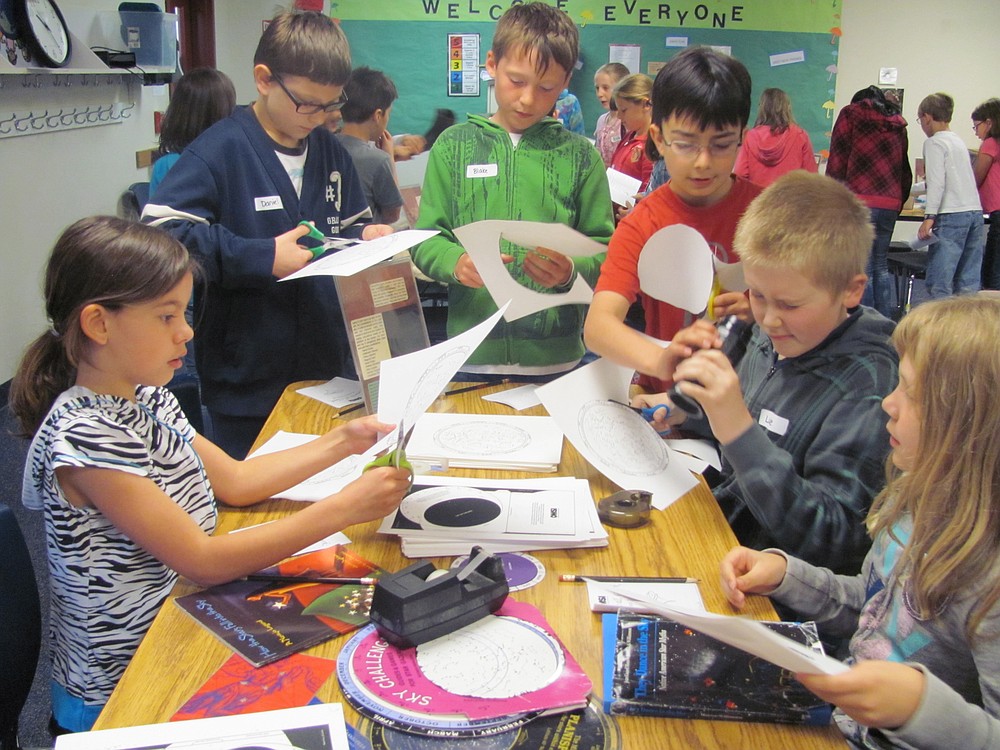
(127, 486)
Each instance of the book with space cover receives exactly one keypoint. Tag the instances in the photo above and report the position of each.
(656, 666)
(265, 621)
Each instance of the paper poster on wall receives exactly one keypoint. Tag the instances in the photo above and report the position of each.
(787, 58)
(626, 54)
(463, 65)
(676, 41)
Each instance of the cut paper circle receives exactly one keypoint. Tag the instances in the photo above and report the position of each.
(676, 267)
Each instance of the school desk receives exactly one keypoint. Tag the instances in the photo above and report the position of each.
(687, 539)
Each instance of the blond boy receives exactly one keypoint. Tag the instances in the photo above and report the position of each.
(798, 418)
(520, 163)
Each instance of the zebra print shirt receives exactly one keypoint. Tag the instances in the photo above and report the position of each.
(105, 588)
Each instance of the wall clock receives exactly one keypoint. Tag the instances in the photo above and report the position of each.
(40, 26)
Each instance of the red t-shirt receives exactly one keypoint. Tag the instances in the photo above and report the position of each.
(662, 208)
(630, 158)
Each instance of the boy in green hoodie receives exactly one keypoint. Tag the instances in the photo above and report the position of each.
(522, 164)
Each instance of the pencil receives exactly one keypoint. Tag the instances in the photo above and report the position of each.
(569, 578)
(467, 388)
(349, 409)
(313, 579)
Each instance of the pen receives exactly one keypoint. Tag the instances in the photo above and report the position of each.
(312, 579)
(569, 578)
(349, 409)
(467, 388)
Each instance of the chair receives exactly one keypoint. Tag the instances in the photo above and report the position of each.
(133, 200)
(21, 622)
(905, 268)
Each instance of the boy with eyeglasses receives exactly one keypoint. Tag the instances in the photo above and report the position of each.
(701, 104)
(236, 199)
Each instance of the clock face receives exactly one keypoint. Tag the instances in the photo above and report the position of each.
(45, 26)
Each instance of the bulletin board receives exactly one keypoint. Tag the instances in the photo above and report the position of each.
(789, 44)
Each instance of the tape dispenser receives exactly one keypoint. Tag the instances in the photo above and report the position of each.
(420, 603)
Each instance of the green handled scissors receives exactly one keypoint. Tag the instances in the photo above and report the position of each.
(328, 242)
(396, 457)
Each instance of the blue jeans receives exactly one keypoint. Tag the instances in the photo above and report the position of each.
(955, 262)
(879, 290)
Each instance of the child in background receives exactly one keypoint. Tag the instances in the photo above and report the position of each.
(775, 145)
(236, 199)
(986, 124)
(518, 164)
(797, 417)
(925, 610)
(633, 101)
(869, 153)
(202, 98)
(608, 133)
(569, 113)
(128, 488)
(954, 215)
(701, 102)
(370, 94)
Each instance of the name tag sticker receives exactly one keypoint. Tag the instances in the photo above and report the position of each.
(772, 422)
(481, 170)
(268, 203)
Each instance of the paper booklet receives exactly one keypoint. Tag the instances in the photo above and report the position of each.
(447, 513)
(318, 727)
(656, 666)
(264, 621)
(488, 441)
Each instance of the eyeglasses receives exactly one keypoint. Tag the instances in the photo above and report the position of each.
(311, 108)
(690, 151)
(975, 125)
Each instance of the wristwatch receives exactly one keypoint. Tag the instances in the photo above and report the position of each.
(931, 217)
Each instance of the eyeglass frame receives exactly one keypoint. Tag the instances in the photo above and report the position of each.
(317, 108)
(714, 154)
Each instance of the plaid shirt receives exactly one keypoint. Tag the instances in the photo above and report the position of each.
(868, 153)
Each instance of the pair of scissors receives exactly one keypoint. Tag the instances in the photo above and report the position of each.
(647, 412)
(314, 234)
(395, 457)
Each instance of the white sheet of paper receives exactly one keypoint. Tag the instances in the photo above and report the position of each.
(330, 480)
(351, 260)
(743, 633)
(338, 392)
(494, 440)
(481, 240)
(589, 405)
(263, 729)
(623, 187)
(410, 383)
(520, 398)
(682, 595)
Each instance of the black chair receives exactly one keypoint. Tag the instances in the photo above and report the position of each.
(21, 623)
(133, 200)
(906, 267)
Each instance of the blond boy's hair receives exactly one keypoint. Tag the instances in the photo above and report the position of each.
(810, 224)
(939, 106)
(540, 30)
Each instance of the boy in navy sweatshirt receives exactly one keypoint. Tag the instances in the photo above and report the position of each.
(235, 199)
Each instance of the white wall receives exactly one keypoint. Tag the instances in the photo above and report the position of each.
(52, 179)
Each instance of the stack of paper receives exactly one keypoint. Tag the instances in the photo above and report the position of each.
(444, 516)
(487, 441)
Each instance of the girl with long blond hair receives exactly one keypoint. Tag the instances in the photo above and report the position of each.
(925, 610)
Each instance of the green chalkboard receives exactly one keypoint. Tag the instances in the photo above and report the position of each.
(415, 55)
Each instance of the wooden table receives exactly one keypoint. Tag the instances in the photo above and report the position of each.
(687, 539)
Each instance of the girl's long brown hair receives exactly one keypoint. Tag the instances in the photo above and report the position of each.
(101, 260)
(952, 495)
